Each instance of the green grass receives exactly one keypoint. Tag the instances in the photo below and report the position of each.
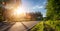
(38, 27)
(54, 25)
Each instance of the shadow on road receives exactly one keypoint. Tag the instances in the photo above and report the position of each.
(4, 26)
(24, 25)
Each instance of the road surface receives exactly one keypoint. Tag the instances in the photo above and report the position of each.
(22, 26)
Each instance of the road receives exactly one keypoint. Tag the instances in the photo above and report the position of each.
(22, 26)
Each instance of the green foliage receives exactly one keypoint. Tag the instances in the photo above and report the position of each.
(53, 9)
(47, 26)
(54, 24)
(38, 27)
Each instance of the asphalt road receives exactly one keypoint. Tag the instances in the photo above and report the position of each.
(5, 25)
(22, 26)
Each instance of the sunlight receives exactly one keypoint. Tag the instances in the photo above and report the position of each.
(19, 11)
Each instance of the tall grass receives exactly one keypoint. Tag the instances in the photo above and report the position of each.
(47, 26)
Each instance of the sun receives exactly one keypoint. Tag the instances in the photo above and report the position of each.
(19, 11)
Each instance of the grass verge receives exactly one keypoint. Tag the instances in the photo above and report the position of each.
(47, 26)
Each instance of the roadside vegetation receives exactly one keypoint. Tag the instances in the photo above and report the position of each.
(47, 26)
(38, 27)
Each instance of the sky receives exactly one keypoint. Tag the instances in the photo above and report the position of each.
(35, 6)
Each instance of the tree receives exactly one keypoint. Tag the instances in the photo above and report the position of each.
(36, 16)
(39, 16)
(53, 9)
(1, 11)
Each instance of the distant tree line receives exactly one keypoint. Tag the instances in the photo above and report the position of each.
(35, 16)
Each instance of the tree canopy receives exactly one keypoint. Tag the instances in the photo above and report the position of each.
(53, 9)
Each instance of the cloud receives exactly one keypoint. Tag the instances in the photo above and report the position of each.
(38, 7)
(44, 3)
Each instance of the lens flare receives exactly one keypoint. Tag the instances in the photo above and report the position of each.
(19, 11)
